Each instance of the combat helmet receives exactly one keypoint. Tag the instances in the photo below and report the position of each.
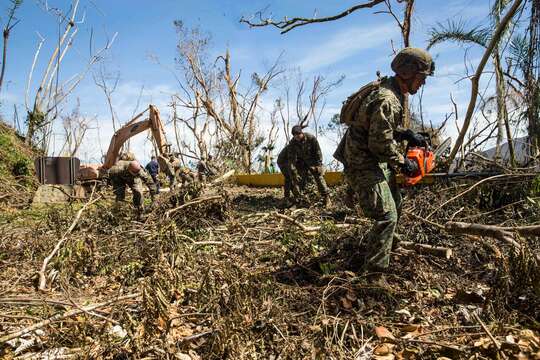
(411, 61)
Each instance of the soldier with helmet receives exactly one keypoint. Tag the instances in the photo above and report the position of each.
(130, 173)
(371, 150)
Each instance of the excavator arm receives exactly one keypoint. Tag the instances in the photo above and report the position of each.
(134, 127)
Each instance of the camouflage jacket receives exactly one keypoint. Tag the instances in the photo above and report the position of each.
(283, 158)
(119, 173)
(306, 152)
(207, 168)
(370, 140)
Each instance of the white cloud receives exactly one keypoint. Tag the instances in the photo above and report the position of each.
(345, 44)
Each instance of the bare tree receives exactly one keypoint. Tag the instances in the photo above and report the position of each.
(309, 100)
(107, 83)
(217, 91)
(51, 92)
(75, 127)
(10, 24)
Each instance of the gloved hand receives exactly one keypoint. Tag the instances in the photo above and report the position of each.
(410, 167)
(414, 139)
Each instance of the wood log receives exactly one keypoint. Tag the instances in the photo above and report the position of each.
(505, 234)
(438, 251)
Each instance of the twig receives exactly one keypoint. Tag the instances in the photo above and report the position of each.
(66, 315)
(484, 327)
(42, 276)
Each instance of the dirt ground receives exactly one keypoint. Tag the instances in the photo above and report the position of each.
(227, 273)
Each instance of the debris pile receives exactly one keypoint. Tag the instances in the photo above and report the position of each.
(226, 274)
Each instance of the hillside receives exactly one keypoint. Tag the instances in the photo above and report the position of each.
(17, 181)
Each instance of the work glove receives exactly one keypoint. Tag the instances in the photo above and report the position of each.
(409, 167)
(414, 139)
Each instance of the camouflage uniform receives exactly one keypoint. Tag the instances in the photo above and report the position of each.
(174, 166)
(186, 176)
(306, 156)
(289, 173)
(371, 155)
(120, 177)
(205, 169)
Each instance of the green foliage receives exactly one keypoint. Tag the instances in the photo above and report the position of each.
(457, 31)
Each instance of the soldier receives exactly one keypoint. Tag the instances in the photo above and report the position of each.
(290, 175)
(206, 169)
(371, 148)
(186, 176)
(130, 173)
(172, 171)
(305, 153)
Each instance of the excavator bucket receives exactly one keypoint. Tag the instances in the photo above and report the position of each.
(57, 176)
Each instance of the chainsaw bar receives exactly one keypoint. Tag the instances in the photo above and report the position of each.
(441, 149)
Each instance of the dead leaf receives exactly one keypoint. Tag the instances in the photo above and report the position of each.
(483, 343)
(382, 349)
(383, 333)
(346, 303)
(410, 328)
(384, 357)
(351, 296)
(315, 328)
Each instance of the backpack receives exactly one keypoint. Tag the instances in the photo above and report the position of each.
(352, 104)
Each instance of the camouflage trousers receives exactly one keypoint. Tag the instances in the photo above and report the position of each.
(380, 200)
(290, 181)
(318, 174)
(136, 186)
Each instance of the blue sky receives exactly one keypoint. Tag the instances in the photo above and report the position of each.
(356, 46)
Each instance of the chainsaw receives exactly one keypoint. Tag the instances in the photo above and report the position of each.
(426, 158)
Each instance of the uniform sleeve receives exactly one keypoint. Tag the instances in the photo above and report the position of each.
(381, 134)
(116, 170)
(292, 154)
(317, 153)
(148, 181)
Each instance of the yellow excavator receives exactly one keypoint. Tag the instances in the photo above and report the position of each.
(69, 178)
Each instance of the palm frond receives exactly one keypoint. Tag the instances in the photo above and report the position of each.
(457, 31)
(518, 50)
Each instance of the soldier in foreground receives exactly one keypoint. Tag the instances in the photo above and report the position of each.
(371, 148)
(305, 154)
(130, 173)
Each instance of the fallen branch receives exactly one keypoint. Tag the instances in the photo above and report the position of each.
(438, 251)
(66, 315)
(501, 233)
(223, 177)
(42, 276)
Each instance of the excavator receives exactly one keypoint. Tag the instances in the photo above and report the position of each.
(68, 175)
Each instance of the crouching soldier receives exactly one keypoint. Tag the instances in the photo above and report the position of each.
(305, 153)
(186, 176)
(290, 177)
(130, 173)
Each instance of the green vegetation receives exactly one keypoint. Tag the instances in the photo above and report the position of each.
(17, 163)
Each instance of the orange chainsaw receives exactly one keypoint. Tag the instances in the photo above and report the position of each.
(426, 158)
